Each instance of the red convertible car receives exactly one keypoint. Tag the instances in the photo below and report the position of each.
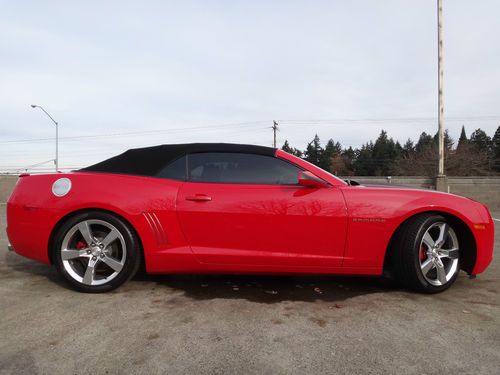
(228, 208)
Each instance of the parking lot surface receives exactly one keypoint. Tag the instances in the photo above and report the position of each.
(244, 324)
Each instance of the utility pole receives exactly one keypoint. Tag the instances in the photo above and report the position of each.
(275, 128)
(440, 88)
(441, 183)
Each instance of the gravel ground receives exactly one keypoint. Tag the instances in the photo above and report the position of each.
(244, 324)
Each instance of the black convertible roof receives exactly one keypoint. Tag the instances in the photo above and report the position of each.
(148, 161)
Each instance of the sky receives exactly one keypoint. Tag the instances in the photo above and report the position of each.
(117, 74)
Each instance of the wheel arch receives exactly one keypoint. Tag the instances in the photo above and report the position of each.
(80, 211)
(468, 246)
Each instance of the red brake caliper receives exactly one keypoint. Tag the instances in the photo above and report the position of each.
(423, 253)
(80, 245)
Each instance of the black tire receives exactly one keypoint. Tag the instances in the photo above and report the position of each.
(406, 254)
(128, 247)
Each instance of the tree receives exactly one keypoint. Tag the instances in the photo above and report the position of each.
(291, 150)
(349, 156)
(314, 151)
(462, 141)
(332, 150)
(467, 161)
(286, 147)
(477, 155)
(363, 164)
(408, 149)
(448, 141)
(424, 143)
(384, 154)
(480, 140)
(398, 148)
(495, 145)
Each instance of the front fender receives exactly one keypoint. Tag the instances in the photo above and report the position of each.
(375, 213)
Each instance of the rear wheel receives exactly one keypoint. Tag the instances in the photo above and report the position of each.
(96, 252)
(426, 254)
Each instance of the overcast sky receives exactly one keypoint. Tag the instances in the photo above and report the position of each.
(130, 74)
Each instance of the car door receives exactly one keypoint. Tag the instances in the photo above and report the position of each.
(247, 209)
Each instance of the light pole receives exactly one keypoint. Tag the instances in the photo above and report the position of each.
(57, 134)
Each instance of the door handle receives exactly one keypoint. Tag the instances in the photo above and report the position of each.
(199, 198)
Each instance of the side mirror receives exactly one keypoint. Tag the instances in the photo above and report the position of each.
(307, 179)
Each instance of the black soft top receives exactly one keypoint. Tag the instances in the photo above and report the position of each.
(148, 161)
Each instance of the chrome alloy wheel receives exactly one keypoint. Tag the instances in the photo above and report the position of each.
(439, 253)
(93, 252)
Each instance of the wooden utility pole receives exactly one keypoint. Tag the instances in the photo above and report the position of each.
(275, 128)
(440, 89)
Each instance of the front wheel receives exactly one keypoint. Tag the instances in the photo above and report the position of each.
(426, 254)
(96, 252)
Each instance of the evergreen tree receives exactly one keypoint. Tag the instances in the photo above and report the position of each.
(480, 140)
(424, 143)
(478, 155)
(398, 149)
(408, 149)
(463, 139)
(314, 151)
(363, 164)
(448, 141)
(495, 144)
(482, 145)
(332, 149)
(291, 150)
(384, 154)
(286, 147)
(348, 156)
(349, 153)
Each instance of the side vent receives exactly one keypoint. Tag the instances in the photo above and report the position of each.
(156, 227)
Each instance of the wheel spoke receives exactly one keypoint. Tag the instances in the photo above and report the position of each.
(441, 273)
(427, 266)
(443, 233)
(68, 254)
(113, 235)
(114, 264)
(86, 232)
(450, 253)
(428, 240)
(88, 278)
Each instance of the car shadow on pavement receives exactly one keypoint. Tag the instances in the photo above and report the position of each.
(16, 263)
(255, 288)
(272, 289)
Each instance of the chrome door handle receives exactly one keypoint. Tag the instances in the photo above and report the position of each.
(199, 198)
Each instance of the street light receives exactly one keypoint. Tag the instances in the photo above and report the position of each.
(57, 134)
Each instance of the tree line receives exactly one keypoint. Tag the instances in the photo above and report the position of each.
(476, 155)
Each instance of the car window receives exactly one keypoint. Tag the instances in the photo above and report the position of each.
(176, 170)
(239, 168)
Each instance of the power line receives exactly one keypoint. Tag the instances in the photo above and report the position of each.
(250, 123)
(393, 119)
(135, 133)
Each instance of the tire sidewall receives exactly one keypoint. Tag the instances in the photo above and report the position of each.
(131, 243)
